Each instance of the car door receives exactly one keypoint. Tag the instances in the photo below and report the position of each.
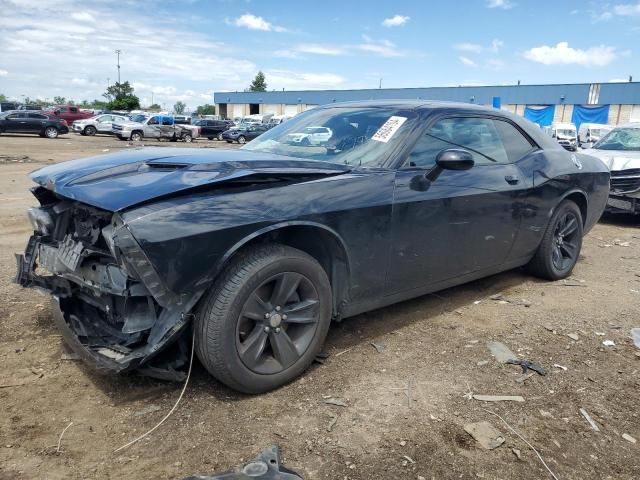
(16, 123)
(35, 122)
(104, 123)
(461, 221)
(153, 128)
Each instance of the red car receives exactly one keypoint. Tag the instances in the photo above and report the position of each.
(68, 113)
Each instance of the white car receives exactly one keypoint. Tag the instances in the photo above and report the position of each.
(97, 124)
(310, 136)
(620, 151)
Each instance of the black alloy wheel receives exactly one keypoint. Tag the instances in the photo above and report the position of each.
(277, 323)
(567, 245)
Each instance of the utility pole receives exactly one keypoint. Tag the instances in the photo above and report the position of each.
(118, 52)
(380, 84)
(151, 98)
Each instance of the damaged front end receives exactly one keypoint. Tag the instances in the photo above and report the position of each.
(109, 303)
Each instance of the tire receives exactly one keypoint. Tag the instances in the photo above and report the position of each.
(560, 246)
(90, 130)
(51, 132)
(136, 136)
(209, 138)
(229, 141)
(187, 138)
(242, 140)
(227, 323)
(219, 137)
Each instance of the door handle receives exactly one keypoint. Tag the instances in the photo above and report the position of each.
(512, 179)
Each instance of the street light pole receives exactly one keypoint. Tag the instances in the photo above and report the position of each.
(118, 52)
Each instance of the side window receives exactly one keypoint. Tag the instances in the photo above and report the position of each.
(15, 116)
(167, 121)
(37, 116)
(153, 121)
(516, 144)
(479, 135)
(73, 110)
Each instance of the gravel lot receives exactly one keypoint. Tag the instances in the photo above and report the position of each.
(407, 401)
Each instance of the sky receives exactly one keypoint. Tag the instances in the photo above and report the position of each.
(184, 50)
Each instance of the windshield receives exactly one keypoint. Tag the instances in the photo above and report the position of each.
(565, 132)
(138, 118)
(349, 135)
(620, 139)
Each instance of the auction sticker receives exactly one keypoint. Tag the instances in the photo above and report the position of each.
(390, 127)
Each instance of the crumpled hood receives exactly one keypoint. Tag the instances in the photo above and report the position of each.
(117, 181)
(616, 160)
(128, 124)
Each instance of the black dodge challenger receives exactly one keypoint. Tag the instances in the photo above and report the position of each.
(255, 251)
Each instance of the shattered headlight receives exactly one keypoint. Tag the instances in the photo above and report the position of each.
(41, 220)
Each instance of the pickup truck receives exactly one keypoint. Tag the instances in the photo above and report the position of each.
(68, 113)
(156, 126)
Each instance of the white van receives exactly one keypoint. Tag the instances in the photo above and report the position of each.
(565, 134)
(590, 133)
(278, 119)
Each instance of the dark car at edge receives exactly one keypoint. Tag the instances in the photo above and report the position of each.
(212, 129)
(21, 121)
(244, 132)
(253, 252)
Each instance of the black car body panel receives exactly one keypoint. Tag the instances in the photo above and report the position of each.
(23, 121)
(159, 227)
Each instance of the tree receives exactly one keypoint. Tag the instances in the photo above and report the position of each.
(3, 97)
(179, 107)
(206, 109)
(156, 107)
(57, 100)
(121, 97)
(259, 83)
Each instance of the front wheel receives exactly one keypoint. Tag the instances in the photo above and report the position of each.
(90, 130)
(51, 132)
(136, 136)
(560, 247)
(265, 319)
(219, 137)
(242, 140)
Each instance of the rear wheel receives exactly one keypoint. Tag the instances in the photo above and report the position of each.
(136, 136)
(242, 140)
(187, 138)
(560, 247)
(90, 130)
(265, 319)
(51, 132)
(219, 137)
(209, 138)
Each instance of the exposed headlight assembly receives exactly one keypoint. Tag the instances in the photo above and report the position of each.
(40, 220)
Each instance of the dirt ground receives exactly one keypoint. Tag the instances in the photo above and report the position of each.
(406, 405)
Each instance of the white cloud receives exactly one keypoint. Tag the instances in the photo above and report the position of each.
(467, 61)
(83, 17)
(627, 10)
(3, 73)
(468, 47)
(383, 48)
(563, 54)
(318, 49)
(253, 22)
(395, 21)
(289, 80)
(504, 4)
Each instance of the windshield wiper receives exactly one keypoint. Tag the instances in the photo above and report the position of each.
(462, 146)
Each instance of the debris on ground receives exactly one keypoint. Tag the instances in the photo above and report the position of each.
(635, 335)
(629, 438)
(69, 356)
(501, 352)
(517, 453)
(336, 402)
(485, 434)
(378, 346)
(573, 336)
(527, 365)
(266, 466)
(560, 367)
(609, 343)
(482, 363)
(332, 422)
(591, 421)
(498, 398)
(147, 410)
(524, 377)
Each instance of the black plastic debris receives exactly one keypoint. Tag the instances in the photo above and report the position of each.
(265, 467)
(527, 365)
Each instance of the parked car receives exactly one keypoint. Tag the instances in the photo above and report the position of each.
(310, 136)
(155, 126)
(565, 134)
(278, 119)
(182, 120)
(244, 132)
(253, 251)
(213, 128)
(591, 133)
(98, 124)
(30, 107)
(32, 122)
(69, 113)
(620, 151)
(8, 106)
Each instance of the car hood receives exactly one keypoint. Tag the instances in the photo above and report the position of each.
(121, 180)
(616, 160)
(128, 124)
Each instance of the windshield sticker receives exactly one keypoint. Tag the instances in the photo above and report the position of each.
(390, 127)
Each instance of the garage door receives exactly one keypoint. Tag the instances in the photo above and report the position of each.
(238, 111)
(270, 108)
(635, 113)
(290, 110)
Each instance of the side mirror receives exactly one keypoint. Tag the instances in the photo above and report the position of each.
(454, 159)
